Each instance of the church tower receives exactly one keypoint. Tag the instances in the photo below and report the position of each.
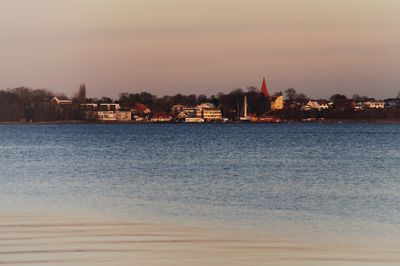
(264, 89)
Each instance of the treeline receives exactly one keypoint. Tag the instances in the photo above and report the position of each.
(231, 104)
(25, 104)
(20, 103)
(228, 103)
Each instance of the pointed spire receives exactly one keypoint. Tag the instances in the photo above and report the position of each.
(264, 89)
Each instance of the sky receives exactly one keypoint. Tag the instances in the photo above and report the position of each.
(318, 47)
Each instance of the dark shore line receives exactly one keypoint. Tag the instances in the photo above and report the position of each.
(331, 121)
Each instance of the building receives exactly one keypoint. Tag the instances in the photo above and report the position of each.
(374, 104)
(208, 112)
(59, 101)
(203, 112)
(186, 112)
(190, 111)
(63, 109)
(123, 115)
(176, 109)
(89, 106)
(161, 117)
(324, 104)
(101, 116)
(212, 114)
(316, 105)
(109, 107)
(104, 116)
(277, 102)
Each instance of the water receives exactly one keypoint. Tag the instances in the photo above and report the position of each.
(340, 179)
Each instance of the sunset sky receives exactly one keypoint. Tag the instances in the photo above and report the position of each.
(169, 46)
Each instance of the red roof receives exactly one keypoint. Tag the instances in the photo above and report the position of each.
(140, 107)
(264, 89)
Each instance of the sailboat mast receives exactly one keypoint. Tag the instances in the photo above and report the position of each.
(245, 107)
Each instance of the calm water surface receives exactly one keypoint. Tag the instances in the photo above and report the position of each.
(343, 179)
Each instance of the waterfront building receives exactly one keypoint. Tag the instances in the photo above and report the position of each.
(123, 115)
(161, 117)
(181, 116)
(181, 112)
(189, 111)
(176, 109)
(186, 112)
(199, 108)
(212, 114)
(208, 112)
(109, 107)
(104, 116)
(374, 104)
(101, 116)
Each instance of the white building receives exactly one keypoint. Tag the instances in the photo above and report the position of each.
(109, 107)
(101, 116)
(201, 113)
(58, 101)
(123, 115)
(109, 115)
(316, 105)
(89, 106)
(208, 112)
(212, 114)
(374, 104)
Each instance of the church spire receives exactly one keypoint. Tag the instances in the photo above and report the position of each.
(264, 90)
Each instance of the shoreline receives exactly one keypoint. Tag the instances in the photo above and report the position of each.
(46, 239)
(79, 122)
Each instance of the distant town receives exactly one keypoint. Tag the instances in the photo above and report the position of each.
(24, 105)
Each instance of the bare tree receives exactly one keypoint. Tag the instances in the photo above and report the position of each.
(82, 93)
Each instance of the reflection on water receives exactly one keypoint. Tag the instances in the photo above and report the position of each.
(341, 179)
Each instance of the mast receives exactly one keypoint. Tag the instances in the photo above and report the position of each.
(245, 107)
